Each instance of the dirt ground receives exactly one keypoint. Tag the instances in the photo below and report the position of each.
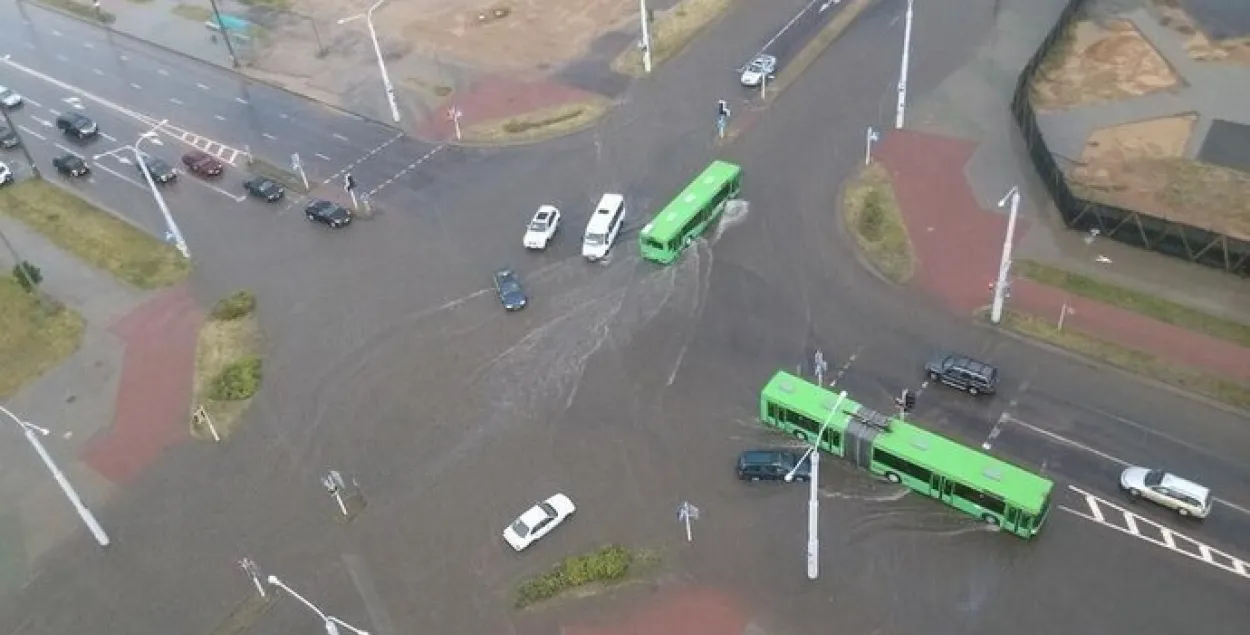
(1098, 64)
(1198, 45)
(1142, 166)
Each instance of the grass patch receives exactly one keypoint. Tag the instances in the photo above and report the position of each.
(227, 364)
(83, 10)
(288, 178)
(606, 565)
(1135, 301)
(94, 235)
(670, 31)
(1133, 361)
(36, 334)
(871, 213)
(192, 12)
(537, 125)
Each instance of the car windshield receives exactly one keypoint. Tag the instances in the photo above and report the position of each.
(758, 65)
(538, 225)
(508, 287)
(594, 239)
(520, 528)
(1154, 477)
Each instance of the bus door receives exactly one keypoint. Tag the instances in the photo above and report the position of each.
(943, 489)
(1011, 520)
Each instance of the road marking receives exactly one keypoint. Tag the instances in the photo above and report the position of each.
(837, 377)
(175, 100)
(120, 175)
(202, 86)
(360, 160)
(123, 58)
(56, 33)
(1160, 535)
(236, 197)
(283, 115)
(135, 86)
(322, 156)
(62, 58)
(65, 149)
(241, 100)
(32, 133)
(339, 137)
(55, 113)
(37, 104)
(268, 136)
(994, 432)
(161, 71)
(785, 28)
(43, 122)
(219, 118)
(108, 136)
(404, 171)
(1098, 453)
(97, 72)
(88, 45)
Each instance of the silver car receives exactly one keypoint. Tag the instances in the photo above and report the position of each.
(760, 68)
(9, 99)
(1186, 497)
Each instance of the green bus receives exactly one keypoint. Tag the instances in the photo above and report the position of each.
(969, 480)
(681, 221)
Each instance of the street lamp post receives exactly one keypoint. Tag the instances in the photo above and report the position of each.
(377, 49)
(646, 37)
(813, 495)
(170, 224)
(88, 519)
(1004, 264)
(330, 622)
(21, 143)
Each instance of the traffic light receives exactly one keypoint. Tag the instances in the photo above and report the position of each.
(349, 182)
(722, 108)
(909, 400)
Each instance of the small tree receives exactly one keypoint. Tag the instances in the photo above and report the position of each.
(27, 275)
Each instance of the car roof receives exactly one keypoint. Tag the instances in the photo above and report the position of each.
(198, 154)
(1184, 486)
(763, 456)
(533, 515)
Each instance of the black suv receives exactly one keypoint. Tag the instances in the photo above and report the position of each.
(773, 465)
(158, 169)
(264, 188)
(71, 165)
(508, 288)
(76, 125)
(964, 373)
(8, 138)
(327, 213)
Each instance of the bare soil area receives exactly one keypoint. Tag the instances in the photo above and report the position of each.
(1097, 64)
(1142, 166)
(1197, 44)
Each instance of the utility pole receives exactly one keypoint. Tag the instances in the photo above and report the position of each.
(813, 495)
(1004, 264)
(900, 109)
(646, 37)
(225, 33)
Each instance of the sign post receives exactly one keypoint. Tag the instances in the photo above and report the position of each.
(201, 418)
(820, 366)
(349, 184)
(249, 567)
(686, 513)
(298, 166)
(333, 482)
(870, 137)
(454, 115)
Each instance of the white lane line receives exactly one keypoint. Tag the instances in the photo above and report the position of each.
(88, 45)
(219, 118)
(56, 33)
(98, 72)
(1094, 508)
(1098, 453)
(283, 115)
(55, 113)
(162, 72)
(65, 149)
(108, 136)
(241, 100)
(800, 14)
(236, 197)
(135, 86)
(175, 100)
(62, 58)
(32, 133)
(120, 175)
(339, 137)
(37, 104)
(322, 156)
(123, 58)
(268, 136)
(202, 86)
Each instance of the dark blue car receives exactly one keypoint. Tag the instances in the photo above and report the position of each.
(511, 295)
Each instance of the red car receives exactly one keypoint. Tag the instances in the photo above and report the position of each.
(202, 163)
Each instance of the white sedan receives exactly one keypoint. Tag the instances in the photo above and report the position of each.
(9, 99)
(542, 227)
(538, 521)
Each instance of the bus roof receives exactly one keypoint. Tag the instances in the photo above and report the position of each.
(808, 399)
(966, 465)
(666, 225)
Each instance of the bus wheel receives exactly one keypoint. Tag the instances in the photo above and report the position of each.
(892, 477)
(990, 519)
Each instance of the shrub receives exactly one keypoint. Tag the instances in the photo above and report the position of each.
(27, 275)
(872, 217)
(609, 564)
(235, 306)
(238, 380)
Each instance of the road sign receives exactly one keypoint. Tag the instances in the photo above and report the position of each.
(686, 513)
(349, 183)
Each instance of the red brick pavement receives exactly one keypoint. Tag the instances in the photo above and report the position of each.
(958, 246)
(496, 97)
(690, 611)
(154, 393)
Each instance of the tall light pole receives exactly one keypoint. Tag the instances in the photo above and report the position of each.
(8, 122)
(88, 519)
(901, 108)
(646, 37)
(377, 49)
(330, 622)
(1004, 263)
(813, 496)
(170, 224)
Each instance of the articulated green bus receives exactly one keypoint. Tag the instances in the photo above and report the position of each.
(668, 234)
(971, 481)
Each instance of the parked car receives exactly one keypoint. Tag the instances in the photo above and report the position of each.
(71, 165)
(77, 125)
(266, 189)
(538, 521)
(1186, 497)
(9, 138)
(542, 227)
(9, 99)
(759, 70)
(963, 372)
(203, 163)
(773, 465)
(508, 287)
(160, 171)
(327, 213)
(6, 175)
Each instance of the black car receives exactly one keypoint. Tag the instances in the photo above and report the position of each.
(264, 188)
(330, 214)
(773, 465)
(158, 169)
(963, 372)
(511, 295)
(8, 138)
(71, 165)
(77, 125)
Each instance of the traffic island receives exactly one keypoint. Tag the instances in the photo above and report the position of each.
(872, 215)
(670, 31)
(539, 125)
(36, 334)
(80, 10)
(587, 574)
(227, 367)
(94, 235)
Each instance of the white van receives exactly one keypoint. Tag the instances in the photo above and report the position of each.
(603, 227)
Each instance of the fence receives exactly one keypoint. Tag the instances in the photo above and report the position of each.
(1176, 239)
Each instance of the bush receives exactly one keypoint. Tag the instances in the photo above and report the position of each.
(609, 564)
(872, 219)
(235, 306)
(238, 380)
(27, 275)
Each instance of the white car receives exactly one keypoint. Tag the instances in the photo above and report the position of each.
(6, 175)
(1186, 497)
(542, 227)
(763, 66)
(9, 99)
(538, 521)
